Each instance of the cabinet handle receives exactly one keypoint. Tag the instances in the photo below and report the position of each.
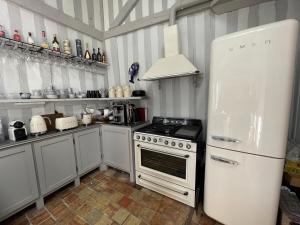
(226, 139)
(224, 160)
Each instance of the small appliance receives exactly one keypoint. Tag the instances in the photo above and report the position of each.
(119, 114)
(132, 114)
(169, 158)
(17, 130)
(38, 125)
(66, 123)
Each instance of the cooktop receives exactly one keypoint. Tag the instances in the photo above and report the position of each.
(174, 127)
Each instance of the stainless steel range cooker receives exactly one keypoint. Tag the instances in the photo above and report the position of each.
(169, 158)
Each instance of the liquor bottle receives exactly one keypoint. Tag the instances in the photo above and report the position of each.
(55, 44)
(103, 58)
(2, 32)
(17, 36)
(94, 55)
(44, 43)
(99, 56)
(78, 47)
(30, 39)
(87, 54)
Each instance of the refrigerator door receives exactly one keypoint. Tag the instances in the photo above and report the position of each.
(250, 89)
(240, 188)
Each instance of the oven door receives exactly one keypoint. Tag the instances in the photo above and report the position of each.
(169, 164)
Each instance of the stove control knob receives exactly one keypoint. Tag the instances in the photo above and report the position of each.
(173, 143)
(149, 138)
(154, 140)
(143, 138)
(180, 145)
(166, 142)
(138, 137)
(188, 146)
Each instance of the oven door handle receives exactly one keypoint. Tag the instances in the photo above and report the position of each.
(166, 153)
(180, 192)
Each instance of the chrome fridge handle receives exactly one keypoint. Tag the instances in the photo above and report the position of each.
(224, 160)
(226, 139)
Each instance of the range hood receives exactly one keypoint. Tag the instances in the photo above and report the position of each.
(173, 64)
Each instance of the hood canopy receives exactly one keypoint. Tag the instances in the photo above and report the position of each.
(173, 64)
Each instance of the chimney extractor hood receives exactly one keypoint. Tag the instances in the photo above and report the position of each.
(173, 64)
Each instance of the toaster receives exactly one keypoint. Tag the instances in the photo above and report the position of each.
(17, 131)
(66, 123)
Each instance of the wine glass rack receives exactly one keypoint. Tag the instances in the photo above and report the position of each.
(28, 52)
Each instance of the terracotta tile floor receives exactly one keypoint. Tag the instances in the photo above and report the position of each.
(107, 198)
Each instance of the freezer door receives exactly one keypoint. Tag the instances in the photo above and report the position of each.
(240, 188)
(250, 89)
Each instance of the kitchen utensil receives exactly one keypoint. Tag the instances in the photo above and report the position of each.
(71, 95)
(24, 95)
(66, 123)
(86, 119)
(37, 94)
(103, 93)
(17, 130)
(52, 96)
(51, 124)
(38, 125)
(112, 92)
(138, 93)
(127, 92)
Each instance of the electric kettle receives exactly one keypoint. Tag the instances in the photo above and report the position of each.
(38, 125)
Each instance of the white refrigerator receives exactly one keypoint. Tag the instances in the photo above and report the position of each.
(251, 82)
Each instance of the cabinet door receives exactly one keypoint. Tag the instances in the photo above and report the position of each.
(55, 162)
(116, 147)
(88, 150)
(18, 185)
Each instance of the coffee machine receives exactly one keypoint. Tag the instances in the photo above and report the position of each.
(119, 114)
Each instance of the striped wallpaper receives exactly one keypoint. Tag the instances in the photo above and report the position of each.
(17, 75)
(186, 97)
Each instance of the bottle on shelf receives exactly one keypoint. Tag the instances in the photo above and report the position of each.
(2, 32)
(78, 47)
(55, 44)
(17, 36)
(87, 54)
(103, 58)
(44, 43)
(99, 56)
(30, 39)
(67, 47)
(94, 55)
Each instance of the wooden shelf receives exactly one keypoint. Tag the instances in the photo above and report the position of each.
(44, 100)
(37, 52)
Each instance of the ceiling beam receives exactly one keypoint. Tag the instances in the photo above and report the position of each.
(138, 24)
(124, 12)
(154, 19)
(58, 16)
(223, 6)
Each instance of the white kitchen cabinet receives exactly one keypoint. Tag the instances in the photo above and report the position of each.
(88, 150)
(18, 184)
(117, 143)
(56, 164)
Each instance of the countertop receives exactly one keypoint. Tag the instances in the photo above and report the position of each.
(31, 139)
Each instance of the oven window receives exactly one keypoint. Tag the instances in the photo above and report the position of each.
(168, 164)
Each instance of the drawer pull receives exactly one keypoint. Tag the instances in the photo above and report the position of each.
(180, 192)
